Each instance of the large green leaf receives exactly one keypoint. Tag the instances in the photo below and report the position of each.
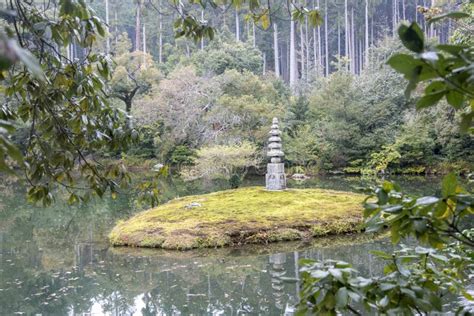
(449, 185)
(412, 37)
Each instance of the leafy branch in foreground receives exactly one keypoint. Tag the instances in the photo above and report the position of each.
(61, 105)
(415, 280)
(446, 67)
(261, 13)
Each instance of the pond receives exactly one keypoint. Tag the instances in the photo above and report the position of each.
(56, 261)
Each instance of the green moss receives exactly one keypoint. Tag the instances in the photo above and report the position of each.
(241, 216)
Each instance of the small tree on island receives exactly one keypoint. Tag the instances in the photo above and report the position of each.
(230, 162)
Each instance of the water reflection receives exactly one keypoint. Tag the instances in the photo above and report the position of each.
(56, 261)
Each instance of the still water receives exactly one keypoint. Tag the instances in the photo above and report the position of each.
(56, 261)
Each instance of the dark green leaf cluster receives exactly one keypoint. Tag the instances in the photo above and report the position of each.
(447, 69)
(431, 220)
(65, 109)
(414, 281)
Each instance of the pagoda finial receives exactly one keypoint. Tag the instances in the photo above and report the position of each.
(275, 177)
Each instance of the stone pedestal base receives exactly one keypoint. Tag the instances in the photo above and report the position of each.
(275, 179)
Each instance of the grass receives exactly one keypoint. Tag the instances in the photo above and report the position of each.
(241, 216)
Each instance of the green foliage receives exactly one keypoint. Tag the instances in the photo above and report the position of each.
(187, 25)
(64, 107)
(379, 161)
(182, 155)
(134, 73)
(447, 68)
(224, 53)
(415, 279)
(222, 161)
(235, 181)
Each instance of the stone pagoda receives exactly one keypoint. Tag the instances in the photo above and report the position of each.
(275, 179)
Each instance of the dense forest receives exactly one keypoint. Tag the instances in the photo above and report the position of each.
(343, 107)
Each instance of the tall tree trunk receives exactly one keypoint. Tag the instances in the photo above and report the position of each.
(306, 40)
(315, 49)
(237, 25)
(302, 54)
(346, 31)
(107, 40)
(416, 11)
(432, 30)
(338, 38)
(287, 61)
(264, 64)
(404, 10)
(394, 22)
(353, 51)
(276, 53)
(366, 33)
(372, 31)
(320, 49)
(326, 46)
(397, 13)
(293, 65)
(137, 26)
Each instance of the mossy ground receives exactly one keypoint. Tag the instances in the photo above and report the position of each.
(241, 216)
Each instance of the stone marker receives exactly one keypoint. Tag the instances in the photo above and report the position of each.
(275, 179)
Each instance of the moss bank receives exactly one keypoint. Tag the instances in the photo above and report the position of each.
(241, 216)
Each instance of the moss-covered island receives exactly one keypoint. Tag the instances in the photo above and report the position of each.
(241, 216)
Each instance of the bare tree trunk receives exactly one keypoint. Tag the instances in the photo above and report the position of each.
(237, 25)
(353, 51)
(416, 11)
(347, 31)
(315, 49)
(404, 10)
(264, 64)
(366, 33)
(432, 30)
(326, 48)
(107, 40)
(287, 62)
(320, 50)
(293, 65)
(302, 54)
(394, 22)
(306, 39)
(372, 31)
(137, 26)
(396, 13)
(276, 53)
(338, 38)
